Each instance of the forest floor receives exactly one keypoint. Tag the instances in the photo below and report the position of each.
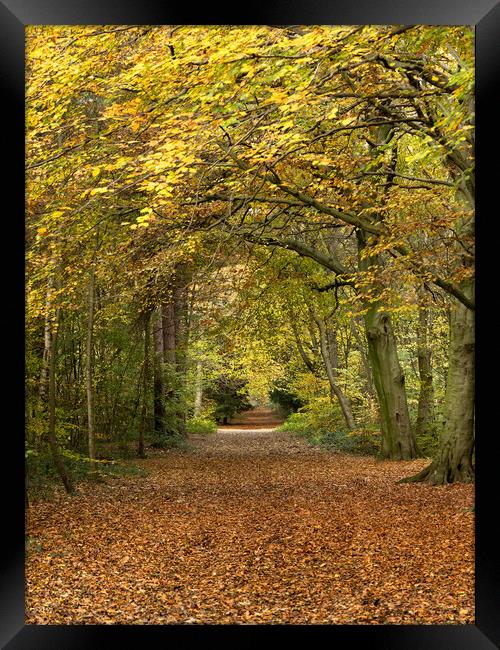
(253, 526)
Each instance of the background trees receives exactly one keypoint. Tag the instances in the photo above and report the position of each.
(260, 204)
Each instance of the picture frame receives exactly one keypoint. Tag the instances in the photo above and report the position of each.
(14, 16)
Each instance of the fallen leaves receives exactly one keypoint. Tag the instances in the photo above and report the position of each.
(254, 527)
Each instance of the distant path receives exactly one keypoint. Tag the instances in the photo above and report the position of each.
(254, 526)
(258, 418)
(252, 433)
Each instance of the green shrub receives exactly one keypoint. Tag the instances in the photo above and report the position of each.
(297, 423)
(428, 442)
(284, 398)
(42, 475)
(321, 423)
(359, 441)
(175, 441)
(229, 396)
(315, 420)
(126, 449)
(201, 426)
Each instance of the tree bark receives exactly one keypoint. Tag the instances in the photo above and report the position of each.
(453, 462)
(198, 396)
(308, 362)
(425, 410)
(168, 331)
(158, 380)
(144, 412)
(56, 456)
(368, 378)
(47, 336)
(89, 371)
(174, 325)
(398, 440)
(328, 356)
(182, 279)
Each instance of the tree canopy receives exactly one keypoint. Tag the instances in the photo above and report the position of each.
(266, 206)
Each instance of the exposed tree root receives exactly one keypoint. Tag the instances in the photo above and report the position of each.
(440, 474)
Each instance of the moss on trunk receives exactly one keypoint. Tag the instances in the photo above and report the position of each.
(453, 462)
(398, 441)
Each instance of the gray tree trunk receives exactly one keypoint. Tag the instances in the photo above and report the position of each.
(56, 456)
(168, 331)
(182, 333)
(398, 440)
(328, 356)
(425, 409)
(368, 378)
(158, 380)
(198, 396)
(47, 338)
(89, 371)
(144, 412)
(308, 362)
(453, 462)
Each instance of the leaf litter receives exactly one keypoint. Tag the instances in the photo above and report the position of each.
(254, 527)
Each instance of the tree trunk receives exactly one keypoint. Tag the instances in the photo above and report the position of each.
(47, 335)
(144, 413)
(308, 362)
(453, 462)
(368, 377)
(168, 330)
(174, 316)
(328, 356)
(158, 381)
(58, 461)
(398, 440)
(89, 371)
(181, 309)
(425, 411)
(198, 397)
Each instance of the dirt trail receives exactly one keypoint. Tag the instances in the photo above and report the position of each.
(254, 526)
(252, 433)
(258, 418)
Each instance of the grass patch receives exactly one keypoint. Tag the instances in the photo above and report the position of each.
(202, 426)
(321, 427)
(42, 476)
(171, 442)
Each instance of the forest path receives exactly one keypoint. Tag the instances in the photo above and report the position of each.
(250, 433)
(256, 418)
(254, 526)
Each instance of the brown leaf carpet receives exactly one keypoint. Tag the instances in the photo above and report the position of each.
(253, 526)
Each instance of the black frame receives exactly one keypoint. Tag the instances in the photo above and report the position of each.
(14, 15)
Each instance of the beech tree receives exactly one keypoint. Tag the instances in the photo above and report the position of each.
(198, 153)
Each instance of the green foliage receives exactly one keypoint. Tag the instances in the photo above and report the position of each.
(170, 442)
(175, 407)
(284, 398)
(201, 425)
(359, 441)
(42, 476)
(321, 423)
(428, 442)
(315, 420)
(229, 396)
